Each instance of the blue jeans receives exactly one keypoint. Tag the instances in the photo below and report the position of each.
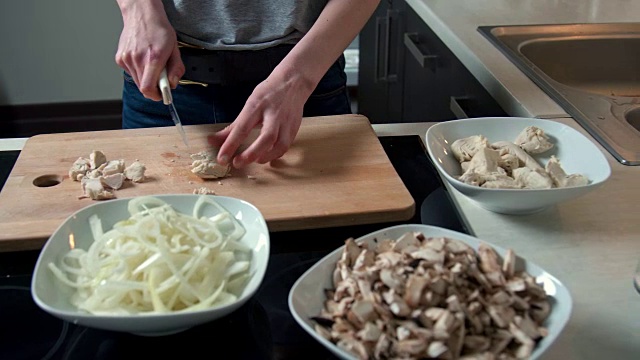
(222, 104)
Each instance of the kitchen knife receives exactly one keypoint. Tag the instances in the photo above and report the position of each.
(167, 98)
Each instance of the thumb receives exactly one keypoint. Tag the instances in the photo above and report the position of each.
(175, 67)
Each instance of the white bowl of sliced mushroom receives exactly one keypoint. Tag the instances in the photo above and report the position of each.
(419, 291)
(516, 165)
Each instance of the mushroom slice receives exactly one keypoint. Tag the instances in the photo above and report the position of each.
(533, 140)
(464, 149)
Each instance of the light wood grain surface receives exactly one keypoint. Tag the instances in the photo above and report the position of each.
(335, 174)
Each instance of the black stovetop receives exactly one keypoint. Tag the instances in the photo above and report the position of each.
(262, 329)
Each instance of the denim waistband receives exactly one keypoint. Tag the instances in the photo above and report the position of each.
(226, 67)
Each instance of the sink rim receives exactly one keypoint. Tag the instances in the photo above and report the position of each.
(507, 38)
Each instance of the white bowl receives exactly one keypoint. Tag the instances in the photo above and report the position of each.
(576, 153)
(307, 295)
(53, 297)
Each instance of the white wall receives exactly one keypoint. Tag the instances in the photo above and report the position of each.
(59, 51)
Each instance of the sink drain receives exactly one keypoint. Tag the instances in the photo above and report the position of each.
(633, 118)
(47, 180)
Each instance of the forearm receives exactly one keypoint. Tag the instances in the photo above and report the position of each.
(336, 27)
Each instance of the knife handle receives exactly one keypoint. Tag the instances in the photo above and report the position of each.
(165, 87)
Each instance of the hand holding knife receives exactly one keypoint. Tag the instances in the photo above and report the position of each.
(167, 98)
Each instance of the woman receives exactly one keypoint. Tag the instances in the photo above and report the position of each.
(267, 64)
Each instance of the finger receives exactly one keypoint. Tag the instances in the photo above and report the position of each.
(264, 143)
(240, 130)
(175, 67)
(217, 139)
(129, 67)
(149, 81)
(279, 148)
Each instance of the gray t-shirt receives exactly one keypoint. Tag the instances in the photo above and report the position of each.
(242, 24)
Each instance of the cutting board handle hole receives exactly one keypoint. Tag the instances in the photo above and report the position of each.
(47, 180)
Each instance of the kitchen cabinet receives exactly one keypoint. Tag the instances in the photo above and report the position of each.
(407, 74)
(380, 75)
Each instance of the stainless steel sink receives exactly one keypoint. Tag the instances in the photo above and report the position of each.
(591, 70)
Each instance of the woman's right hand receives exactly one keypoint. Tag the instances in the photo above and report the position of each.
(147, 45)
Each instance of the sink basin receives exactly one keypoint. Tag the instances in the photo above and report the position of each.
(591, 70)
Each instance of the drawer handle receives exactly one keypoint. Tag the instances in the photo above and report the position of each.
(456, 108)
(425, 61)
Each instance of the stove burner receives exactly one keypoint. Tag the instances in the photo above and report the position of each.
(248, 326)
(27, 332)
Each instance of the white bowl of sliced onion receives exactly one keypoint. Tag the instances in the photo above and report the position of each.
(153, 265)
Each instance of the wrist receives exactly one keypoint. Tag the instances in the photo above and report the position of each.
(301, 81)
(145, 7)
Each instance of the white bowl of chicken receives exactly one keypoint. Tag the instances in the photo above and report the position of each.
(516, 165)
(153, 265)
(424, 292)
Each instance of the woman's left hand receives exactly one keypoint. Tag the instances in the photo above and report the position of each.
(276, 106)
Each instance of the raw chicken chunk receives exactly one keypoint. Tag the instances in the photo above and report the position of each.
(97, 158)
(506, 147)
(533, 140)
(205, 165)
(560, 177)
(113, 181)
(94, 189)
(533, 178)
(464, 149)
(499, 181)
(79, 169)
(135, 172)
(112, 167)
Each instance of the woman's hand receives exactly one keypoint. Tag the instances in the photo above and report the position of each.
(147, 45)
(276, 106)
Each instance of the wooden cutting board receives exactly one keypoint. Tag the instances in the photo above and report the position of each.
(336, 173)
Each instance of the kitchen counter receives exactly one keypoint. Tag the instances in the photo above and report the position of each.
(591, 243)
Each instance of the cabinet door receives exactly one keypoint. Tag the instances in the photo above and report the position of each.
(426, 74)
(381, 59)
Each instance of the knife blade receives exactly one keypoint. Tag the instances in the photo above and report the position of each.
(167, 98)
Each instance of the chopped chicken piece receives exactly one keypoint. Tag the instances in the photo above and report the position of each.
(203, 191)
(97, 158)
(135, 172)
(499, 181)
(94, 174)
(485, 161)
(113, 181)
(205, 165)
(506, 147)
(464, 149)
(560, 177)
(93, 188)
(533, 140)
(533, 178)
(79, 167)
(112, 167)
(509, 162)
